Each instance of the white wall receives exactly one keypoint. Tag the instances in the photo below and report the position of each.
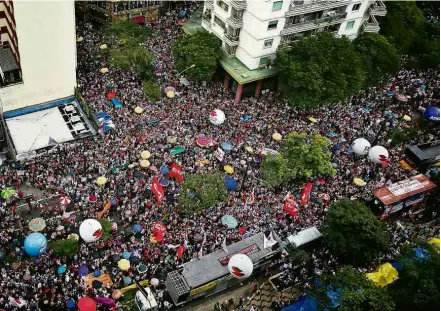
(47, 45)
(356, 16)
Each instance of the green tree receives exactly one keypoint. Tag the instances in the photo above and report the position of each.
(201, 191)
(151, 91)
(299, 257)
(67, 247)
(134, 57)
(319, 70)
(418, 285)
(379, 57)
(354, 234)
(125, 31)
(302, 156)
(107, 228)
(355, 292)
(201, 50)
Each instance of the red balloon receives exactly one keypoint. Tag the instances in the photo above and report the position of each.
(86, 304)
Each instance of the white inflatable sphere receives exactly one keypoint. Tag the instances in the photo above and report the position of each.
(91, 230)
(378, 154)
(217, 117)
(240, 266)
(361, 146)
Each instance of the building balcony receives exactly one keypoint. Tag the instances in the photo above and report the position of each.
(235, 22)
(98, 9)
(239, 4)
(229, 51)
(206, 23)
(298, 7)
(209, 4)
(231, 40)
(313, 24)
(371, 25)
(378, 8)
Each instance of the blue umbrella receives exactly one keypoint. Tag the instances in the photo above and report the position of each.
(227, 146)
(96, 273)
(342, 139)
(390, 93)
(61, 269)
(126, 255)
(331, 134)
(164, 169)
(246, 117)
(116, 257)
(336, 147)
(113, 202)
(230, 183)
(83, 270)
(137, 228)
(127, 280)
(70, 304)
(229, 221)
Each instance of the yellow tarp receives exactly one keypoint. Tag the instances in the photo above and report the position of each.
(435, 242)
(103, 278)
(144, 283)
(385, 275)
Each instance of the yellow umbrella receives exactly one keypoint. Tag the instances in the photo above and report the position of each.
(359, 182)
(249, 149)
(101, 180)
(229, 169)
(407, 118)
(73, 236)
(80, 39)
(103, 46)
(435, 243)
(170, 94)
(144, 163)
(104, 70)
(206, 161)
(277, 137)
(139, 110)
(145, 154)
(124, 264)
(172, 140)
(313, 120)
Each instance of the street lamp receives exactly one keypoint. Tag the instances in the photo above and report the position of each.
(192, 66)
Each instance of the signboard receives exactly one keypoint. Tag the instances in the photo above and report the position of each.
(248, 250)
(405, 186)
(210, 285)
(219, 154)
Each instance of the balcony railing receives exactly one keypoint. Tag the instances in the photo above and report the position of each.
(209, 4)
(378, 8)
(231, 40)
(235, 21)
(316, 5)
(371, 25)
(313, 24)
(206, 23)
(239, 4)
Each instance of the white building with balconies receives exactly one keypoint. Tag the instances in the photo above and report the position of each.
(251, 31)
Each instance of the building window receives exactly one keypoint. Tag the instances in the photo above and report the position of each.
(272, 25)
(356, 7)
(223, 5)
(264, 61)
(219, 22)
(268, 43)
(350, 25)
(277, 6)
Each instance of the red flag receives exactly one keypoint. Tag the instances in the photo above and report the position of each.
(180, 251)
(157, 190)
(176, 172)
(304, 196)
(290, 207)
(158, 231)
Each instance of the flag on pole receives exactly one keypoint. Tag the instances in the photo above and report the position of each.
(176, 172)
(224, 245)
(157, 190)
(180, 251)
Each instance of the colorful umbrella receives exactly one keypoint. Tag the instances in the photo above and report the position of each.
(203, 141)
(230, 183)
(137, 228)
(229, 169)
(86, 304)
(145, 155)
(142, 269)
(70, 304)
(407, 118)
(127, 280)
(359, 182)
(83, 270)
(164, 169)
(139, 110)
(229, 221)
(164, 182)
(144, 163)
(103, 46)
(227, 146)
(170, 94)
(104, 70)
(37, 224)
(100, 181)
(126, 255)
(64, 201)
(277, 137)
(124, 264)
(312, 119)
(7, 193)
(92, 199)
(61, 269)
(80, 39)
(172, 140)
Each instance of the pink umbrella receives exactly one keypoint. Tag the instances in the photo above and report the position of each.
(203, 141)
(105, 301)
(169, 89)
(64, 201)
(92, 199)
(153, 168)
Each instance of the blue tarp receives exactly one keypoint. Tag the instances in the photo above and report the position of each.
(396, 264)
(305, 303)
(116, 103)
(230, 183)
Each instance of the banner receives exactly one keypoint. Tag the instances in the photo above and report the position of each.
(157, 190)
(158, 231)
(176, 172)
(290, 206)
(180, 251)
(219, 154)
(304, 196)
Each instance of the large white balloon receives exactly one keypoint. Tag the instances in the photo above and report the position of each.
(361, 146)
(240, 266)
(378, 154)
(217, 117)
(91, 230)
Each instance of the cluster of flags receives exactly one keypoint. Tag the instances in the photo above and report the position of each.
(175, 172)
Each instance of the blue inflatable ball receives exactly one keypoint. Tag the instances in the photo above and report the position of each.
(35, 244)
(432, 113)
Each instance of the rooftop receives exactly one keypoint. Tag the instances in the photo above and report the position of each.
(242, 74)
(193, 24)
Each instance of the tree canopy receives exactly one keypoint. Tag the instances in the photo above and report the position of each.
(354, 291)
(127, 30)
(418, 285)
(354, 234)
(67, 247)
(201, 191)
(319, 70)
(379, 57)
(302, 156)
(201, 50)
(151, 91)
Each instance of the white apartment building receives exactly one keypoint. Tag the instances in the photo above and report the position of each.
(252, 30)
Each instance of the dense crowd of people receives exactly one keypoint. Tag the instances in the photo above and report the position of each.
(73, 169)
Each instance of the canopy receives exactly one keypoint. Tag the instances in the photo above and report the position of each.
(385, 275)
